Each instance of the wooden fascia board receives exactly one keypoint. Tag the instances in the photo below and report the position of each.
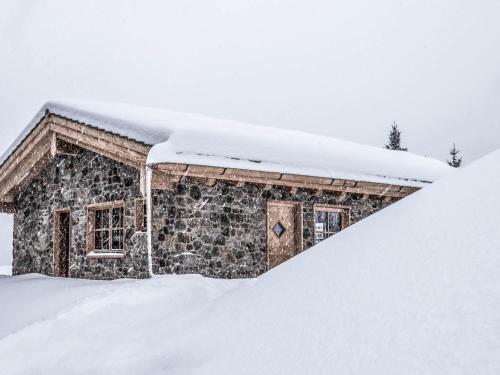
(101, 151)
(28, 167)
(100, 145)
(161, 180)
(41, 144)
(100, 134)
(24, 150)
(272, 178)
(306, 180)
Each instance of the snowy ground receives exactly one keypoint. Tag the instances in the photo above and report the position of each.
(5, 270)
(414, 289)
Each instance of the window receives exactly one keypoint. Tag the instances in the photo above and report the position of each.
(278, 229)
(141, 220)
(106, 228)
(329, 220)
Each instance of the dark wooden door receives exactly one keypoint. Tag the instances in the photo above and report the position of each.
(62, 241)
(284, 231)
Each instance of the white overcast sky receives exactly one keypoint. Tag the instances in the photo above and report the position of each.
(342, 68)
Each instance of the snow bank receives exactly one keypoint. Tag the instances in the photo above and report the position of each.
(197, 139)
(5, 270)
(413, 289)
(68, 326)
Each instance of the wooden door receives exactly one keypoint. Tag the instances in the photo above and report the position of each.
(62, 241)
(284, 231)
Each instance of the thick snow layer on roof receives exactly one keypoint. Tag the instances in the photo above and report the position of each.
(197, 139)
(413, 289)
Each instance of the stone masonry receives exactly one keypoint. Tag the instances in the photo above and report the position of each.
(221, 230)
(218, 231)
(75, 181)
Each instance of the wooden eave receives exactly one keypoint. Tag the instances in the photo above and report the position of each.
(44, 143)
(166, 175)
(55, 135)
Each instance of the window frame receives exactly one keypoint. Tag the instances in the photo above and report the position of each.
(345, 218)
(91, 229)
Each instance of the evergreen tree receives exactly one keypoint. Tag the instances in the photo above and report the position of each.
(456, 161)
(395, 139)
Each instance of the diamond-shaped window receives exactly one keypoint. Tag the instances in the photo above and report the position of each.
(278, 229)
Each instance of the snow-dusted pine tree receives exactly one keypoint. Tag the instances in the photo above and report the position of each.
(456, 161)
(395, 139)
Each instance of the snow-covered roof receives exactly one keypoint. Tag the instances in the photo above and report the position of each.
(197, 139)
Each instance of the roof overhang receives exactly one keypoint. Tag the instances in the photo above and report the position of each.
(167, 175)
(55, 135)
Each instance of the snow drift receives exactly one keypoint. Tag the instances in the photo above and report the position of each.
(413, 289)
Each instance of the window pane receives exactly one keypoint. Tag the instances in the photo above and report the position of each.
(334, 222)
(145, 223)
(117, 239)
(98, 240)
(105, 218)
(98, 219)
(320, 232)
(320, 225)
(105, 240)
(118, 217)
(320, 216)
(326, 224)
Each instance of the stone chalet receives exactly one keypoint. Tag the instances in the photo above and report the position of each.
(104, 191)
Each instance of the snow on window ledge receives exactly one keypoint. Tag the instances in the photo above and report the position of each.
(102, 254)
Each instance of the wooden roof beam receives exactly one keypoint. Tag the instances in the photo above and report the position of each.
(28, 167)
(210, 181)
(216, 173)
(20, 155)
(34, 137)
(243, 173)
(306, 180)
(100, 145)
(98, 133)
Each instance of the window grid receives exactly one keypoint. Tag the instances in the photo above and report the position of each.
(328, 221)
(109, 229)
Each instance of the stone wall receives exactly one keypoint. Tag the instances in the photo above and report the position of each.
(218, 231)
(75, 182)
(221, 230)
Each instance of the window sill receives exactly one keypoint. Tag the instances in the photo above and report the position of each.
(98, 254)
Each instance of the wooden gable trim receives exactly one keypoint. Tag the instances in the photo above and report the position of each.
(100, 146)
(29, 163)
(166, 175)
(40, 131)
(55, 135)
(92, 131)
